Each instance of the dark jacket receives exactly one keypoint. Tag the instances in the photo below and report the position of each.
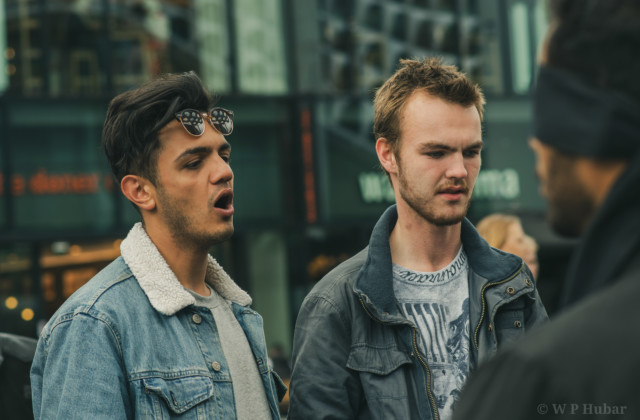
(356, 356)
(583, 364)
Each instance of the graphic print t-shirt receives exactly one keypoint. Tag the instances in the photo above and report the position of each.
(438, 304)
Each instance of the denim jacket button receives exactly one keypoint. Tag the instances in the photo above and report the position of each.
(527, 282)
(517, 324)
(510, 290)
(215, 366)
(197, 319)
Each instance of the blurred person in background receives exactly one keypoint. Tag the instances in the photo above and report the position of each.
(393, 332)
(584, 363)
(16, 355)
(162, 331)
(505, 232)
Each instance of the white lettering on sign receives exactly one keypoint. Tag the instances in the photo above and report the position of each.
(491, 184)
(375, 188)
(497, 184)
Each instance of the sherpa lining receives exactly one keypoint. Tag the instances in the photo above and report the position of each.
(161, 285)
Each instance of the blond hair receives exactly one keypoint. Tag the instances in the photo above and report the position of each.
(429, 75)
(494, 228)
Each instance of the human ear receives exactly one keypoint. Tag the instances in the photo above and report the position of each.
(139, 191)
(386, 156)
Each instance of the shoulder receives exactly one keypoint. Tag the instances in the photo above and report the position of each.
(333, 295)
(103, 297)
(340, 279)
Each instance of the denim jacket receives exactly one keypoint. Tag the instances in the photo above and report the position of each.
(356, 356)
(130, 344)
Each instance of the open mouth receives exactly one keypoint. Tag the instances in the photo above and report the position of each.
(224, 200)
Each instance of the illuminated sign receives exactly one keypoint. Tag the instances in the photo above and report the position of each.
(497, 184)
(307, 160)
(492, 184)
(375, 188)
(44, 183)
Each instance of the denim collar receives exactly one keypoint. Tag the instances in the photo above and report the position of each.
(160, 284)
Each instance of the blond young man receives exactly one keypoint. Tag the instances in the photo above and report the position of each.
(393, 332)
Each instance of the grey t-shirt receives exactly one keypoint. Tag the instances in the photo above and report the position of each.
(438, 304)
(248, 389)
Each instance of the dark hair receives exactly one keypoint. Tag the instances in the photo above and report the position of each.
(134, 118)
(598, 41)
(429, 75)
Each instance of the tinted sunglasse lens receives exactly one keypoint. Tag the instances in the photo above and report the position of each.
(192, 122)
(222, 119)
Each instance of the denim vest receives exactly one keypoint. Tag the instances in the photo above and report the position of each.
(131, 344)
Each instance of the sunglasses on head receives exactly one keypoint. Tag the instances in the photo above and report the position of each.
(193, 121)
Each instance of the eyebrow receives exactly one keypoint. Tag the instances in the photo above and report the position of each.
(195, 151)
(440, 146)
(202, 150)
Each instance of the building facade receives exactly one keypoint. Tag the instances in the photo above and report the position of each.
(300, 77)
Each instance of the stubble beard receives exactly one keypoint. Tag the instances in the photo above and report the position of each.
(570, 207)
(428, 210)
(183, 228)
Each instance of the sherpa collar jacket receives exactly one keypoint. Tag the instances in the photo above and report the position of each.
(355, 355)
(130, 344)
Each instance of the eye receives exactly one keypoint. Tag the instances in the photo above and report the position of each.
(435, 155)
(194, 164)
(471, 153)
(226, 158)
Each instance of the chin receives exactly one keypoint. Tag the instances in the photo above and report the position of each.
(226, 234)
(447, 221)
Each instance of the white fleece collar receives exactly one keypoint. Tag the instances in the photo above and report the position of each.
(161, 285)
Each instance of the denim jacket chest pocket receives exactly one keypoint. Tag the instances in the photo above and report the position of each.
(183, 397)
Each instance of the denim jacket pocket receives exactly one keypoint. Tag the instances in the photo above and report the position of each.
(180, 394)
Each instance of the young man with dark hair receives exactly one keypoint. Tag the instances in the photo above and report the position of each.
(393, 332)
(162, 331)
(584, 363)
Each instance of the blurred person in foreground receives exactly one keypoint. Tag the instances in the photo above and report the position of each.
(393, 332)
(162, 331)
(505, 232)
(583, 364)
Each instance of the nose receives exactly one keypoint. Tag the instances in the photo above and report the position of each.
(456, 168)
(221, 171)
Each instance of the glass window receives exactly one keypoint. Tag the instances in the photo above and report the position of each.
(5, 54)
(260, 46)
(520, 47)
(97, 48)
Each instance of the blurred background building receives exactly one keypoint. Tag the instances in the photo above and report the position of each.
(300, 76)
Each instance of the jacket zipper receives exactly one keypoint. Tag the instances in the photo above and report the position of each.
(417, 353)
(484, 303)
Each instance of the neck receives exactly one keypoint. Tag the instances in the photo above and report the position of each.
(188, 263)
(422, 246)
